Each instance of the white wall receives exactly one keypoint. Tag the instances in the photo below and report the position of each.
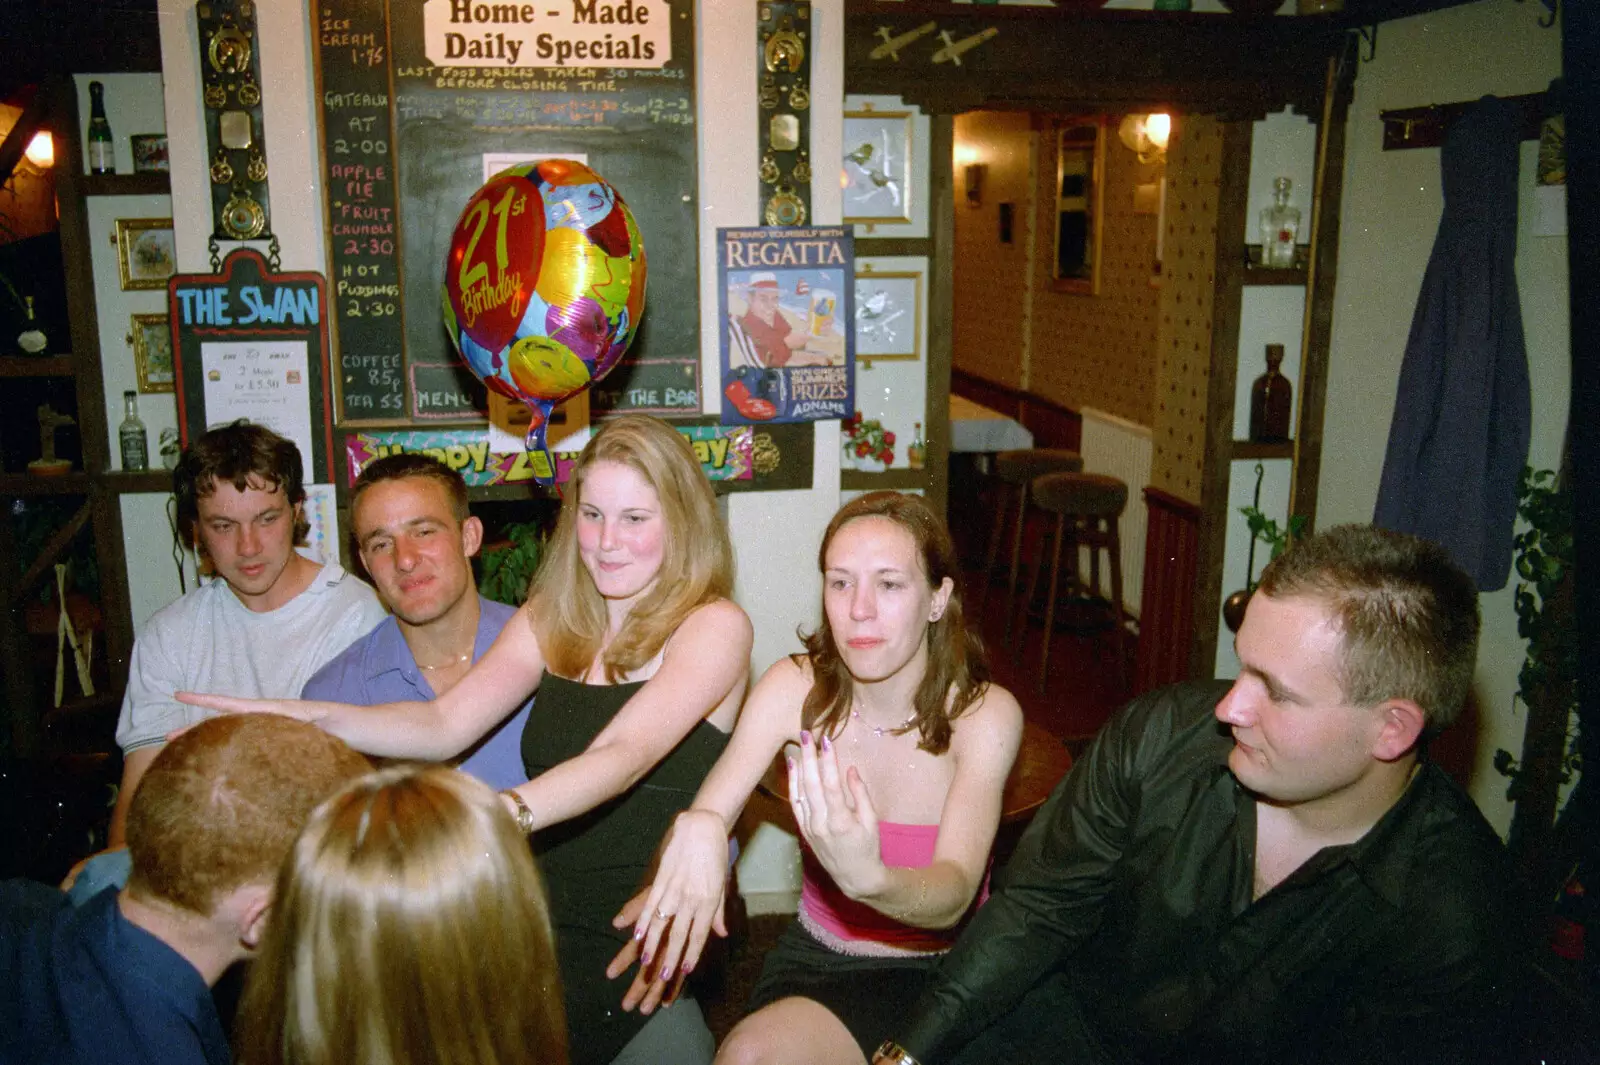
(1390, 215)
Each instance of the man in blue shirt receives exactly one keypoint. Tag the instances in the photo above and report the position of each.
(416, 539)
(127, 976)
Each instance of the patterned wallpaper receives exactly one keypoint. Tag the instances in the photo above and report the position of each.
(1099, 351)
(990, 298)
(1183, 336)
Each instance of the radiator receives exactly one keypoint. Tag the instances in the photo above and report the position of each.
(1121, 449)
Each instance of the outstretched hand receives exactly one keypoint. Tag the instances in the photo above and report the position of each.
(835, 816)
(229, 704)
(676, 916)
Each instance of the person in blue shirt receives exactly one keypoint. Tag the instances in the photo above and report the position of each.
(127, 976)
(416, 539)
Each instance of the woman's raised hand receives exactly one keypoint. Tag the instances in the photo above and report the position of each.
(836, 817)
(683, 907)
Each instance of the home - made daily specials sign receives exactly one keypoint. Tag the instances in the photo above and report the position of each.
(417, 98)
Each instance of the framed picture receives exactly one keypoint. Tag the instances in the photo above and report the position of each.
(146, 254)
(888, 323)
(877, 167)
(1080, 204)
(149, 152)
(152, 351)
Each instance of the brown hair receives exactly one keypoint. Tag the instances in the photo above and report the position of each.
(409, 925)
(958, 671)
(696, 564)
(404, 465)
(237, 454)
(221, 804)
(1407, 613)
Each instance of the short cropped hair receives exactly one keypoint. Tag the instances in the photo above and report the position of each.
(409, 925)
(220, 805)
(404, 465)
(236, 454)
(1407, 613)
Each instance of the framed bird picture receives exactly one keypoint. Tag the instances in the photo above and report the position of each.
(889, 308)
(877, 167)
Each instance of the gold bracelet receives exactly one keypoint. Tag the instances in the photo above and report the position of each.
(894, 1054)
(524, 814)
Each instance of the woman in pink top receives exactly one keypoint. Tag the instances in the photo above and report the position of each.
(898, 748)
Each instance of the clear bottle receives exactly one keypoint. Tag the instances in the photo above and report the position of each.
(102, 156)
(135, 443)
(1280, 226)
(917, 453)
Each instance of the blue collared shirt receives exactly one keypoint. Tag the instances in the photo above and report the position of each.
(379, 668)
(84, 984)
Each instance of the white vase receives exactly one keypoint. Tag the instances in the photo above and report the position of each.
(870, 465)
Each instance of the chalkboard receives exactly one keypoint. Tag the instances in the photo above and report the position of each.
(363, 230)
(405, 139)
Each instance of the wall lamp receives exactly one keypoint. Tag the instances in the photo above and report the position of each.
(975, 172)
(1146, 135)
(41, 151)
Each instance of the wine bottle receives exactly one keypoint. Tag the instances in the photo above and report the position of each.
(102, 155)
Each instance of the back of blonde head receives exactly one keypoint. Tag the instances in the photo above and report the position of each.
(696, 567)
(410, 928)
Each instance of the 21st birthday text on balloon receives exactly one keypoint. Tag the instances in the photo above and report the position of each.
(554, 33)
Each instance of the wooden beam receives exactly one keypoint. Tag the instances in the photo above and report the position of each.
(53, 548)
(1323, 274)
(941, 309)
(1043, 60)
(1232, 206)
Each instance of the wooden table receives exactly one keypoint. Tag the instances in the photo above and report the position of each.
(976, 428)
(1042, 760)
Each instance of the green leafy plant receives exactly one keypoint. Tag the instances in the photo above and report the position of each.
(1266, 530)
(508, 568)
(1545, 555)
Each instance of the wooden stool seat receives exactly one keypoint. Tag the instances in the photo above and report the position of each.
(1016, 470)
(1088, 508)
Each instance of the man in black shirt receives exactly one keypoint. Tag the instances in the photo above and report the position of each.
(1267, 872)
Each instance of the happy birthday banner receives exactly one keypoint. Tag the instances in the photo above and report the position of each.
(726, 453)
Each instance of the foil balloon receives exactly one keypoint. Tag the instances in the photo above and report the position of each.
(544, 286)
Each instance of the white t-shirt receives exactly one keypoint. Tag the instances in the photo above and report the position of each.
(208, 641)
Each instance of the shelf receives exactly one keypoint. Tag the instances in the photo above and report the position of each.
(1250, 449)
(1261, 275)
(72, 483)
(896, 479)
(36, 366)
(120, 482)
(154, 183)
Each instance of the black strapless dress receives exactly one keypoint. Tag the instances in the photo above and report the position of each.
(594, 863)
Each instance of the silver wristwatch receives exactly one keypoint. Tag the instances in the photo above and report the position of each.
(524, 811)
(895, 1054)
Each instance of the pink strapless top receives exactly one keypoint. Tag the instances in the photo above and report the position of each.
(826, 909)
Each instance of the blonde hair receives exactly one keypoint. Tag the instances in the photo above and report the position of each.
(696, 565)
(410, 928)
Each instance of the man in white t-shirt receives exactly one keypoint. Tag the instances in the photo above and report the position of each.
(270, 618)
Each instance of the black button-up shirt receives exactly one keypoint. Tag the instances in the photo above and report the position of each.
(1134, 882)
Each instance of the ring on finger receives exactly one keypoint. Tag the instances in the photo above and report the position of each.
(663, 916)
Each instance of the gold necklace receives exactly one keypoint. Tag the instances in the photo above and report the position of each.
(445, 665)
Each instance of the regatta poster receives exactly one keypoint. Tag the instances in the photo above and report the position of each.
(786, 298)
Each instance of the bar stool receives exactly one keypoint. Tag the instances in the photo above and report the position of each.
(1015, 471)
(1088, 508)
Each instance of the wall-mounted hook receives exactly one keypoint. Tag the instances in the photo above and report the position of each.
(1369, 34)
(1552, 6)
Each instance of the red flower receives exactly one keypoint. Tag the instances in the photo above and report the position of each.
(888, 439)
(863, 449)
(886, 456)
